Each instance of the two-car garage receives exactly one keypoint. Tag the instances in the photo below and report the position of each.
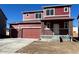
(31, 32)
(26, 30)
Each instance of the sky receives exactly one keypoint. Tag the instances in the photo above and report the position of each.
(13, 12)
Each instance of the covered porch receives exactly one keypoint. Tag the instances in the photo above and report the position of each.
(57, 27)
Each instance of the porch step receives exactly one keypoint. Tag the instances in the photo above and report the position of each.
(55, 37)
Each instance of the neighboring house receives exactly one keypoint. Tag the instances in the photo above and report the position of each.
(78, 25)
(51, 20)
(3, 20)
(75, 31)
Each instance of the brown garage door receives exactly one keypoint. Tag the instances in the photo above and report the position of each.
(31, 32)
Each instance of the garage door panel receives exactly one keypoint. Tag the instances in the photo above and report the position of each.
(31, 33)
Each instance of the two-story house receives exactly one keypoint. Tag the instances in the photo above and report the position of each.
(3, 20)
(52, 20)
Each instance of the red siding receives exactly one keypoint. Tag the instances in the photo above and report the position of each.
(30, 16)
(60, 11)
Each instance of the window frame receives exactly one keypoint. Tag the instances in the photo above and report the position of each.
(50, 14)
(67, 9)
(38, 17)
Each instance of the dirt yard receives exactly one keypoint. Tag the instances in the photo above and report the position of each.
(39, 47)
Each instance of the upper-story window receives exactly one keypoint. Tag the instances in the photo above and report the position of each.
(38, 15)
(50, 11)
(66, 9)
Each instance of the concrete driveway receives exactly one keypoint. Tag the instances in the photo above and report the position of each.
(13, 44)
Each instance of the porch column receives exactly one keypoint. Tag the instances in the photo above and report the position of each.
(70, 28)
(19, 31)
(42, 28)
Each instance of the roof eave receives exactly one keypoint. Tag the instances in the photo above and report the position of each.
(56, 6)
(32, 11)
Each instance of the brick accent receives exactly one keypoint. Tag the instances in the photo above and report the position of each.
(70, 28)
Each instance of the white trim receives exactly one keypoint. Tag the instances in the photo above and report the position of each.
(25, 27)
(56, 15)
(15, 28)
(38, 18)
(67, 9)
(54, 10)
(29, 27)
(31, 19)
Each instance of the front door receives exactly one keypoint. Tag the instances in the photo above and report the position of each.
(56, 29)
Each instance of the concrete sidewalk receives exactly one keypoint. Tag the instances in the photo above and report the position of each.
(13, 44)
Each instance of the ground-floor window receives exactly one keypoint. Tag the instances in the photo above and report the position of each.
(66, 25)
